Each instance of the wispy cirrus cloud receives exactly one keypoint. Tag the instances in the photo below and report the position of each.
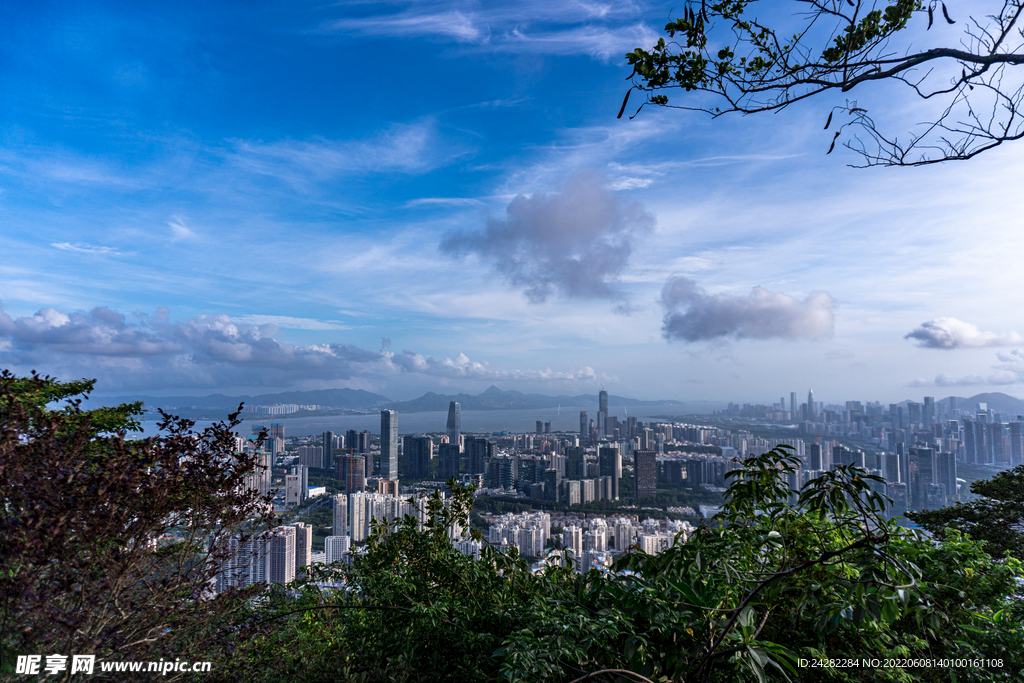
(403, 148)
(950, 333)
(532, 27)
(286, 321)
(79, 248)
(179, 230)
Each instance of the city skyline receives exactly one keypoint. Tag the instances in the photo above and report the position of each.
(227, 222)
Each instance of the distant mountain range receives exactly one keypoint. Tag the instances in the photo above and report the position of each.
(997, 401)
(496, 399)
(491, 399)
(349, 399)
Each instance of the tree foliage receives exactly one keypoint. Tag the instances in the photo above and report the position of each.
(110, 544)
(782, 576)
(960, 68)
(997, 518)
(824, 576)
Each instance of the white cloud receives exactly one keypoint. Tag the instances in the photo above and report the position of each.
(461, 367)
(532, 26)
(950, 333)
(290, 322)
(215, 350)
(80, 248)
(452, 24)
(691, 314)
(575, 242)
(1009, 371)
(179, 231)
(406, 148)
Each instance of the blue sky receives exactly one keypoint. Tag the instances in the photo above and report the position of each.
(201, 198)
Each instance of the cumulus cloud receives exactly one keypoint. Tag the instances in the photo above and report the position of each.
(1009, 370)
(211, 351)
(101, 331)
(950, 333)
(691, 314)
(461, 367)
(574, 242)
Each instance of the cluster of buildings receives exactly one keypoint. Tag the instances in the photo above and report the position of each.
(275, 556)
(591, 543)
(914, 447)
(278, 408)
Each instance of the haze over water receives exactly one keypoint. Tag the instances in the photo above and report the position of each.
(565, 419)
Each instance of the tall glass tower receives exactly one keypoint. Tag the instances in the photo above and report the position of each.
(454, 422)
(602, 412)
(389, 444)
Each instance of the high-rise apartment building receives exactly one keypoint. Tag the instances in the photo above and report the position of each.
(389, 444)
(328, 444)
(336, 548)
(303, 545)
(340, 526)
(294, 493)
(281, 556)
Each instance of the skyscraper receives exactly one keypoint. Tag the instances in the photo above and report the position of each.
(645, 470)
(576, 462)
(417, 452)
(454, 423)
(448, 457)
(929, 411)
(584, 427)
(602, 412)
(328, 461)
(812, 411)
(792, 407)
(478, 452)
(610, 461)
(389, 444)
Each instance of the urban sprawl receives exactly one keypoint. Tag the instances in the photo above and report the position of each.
(617, 465)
